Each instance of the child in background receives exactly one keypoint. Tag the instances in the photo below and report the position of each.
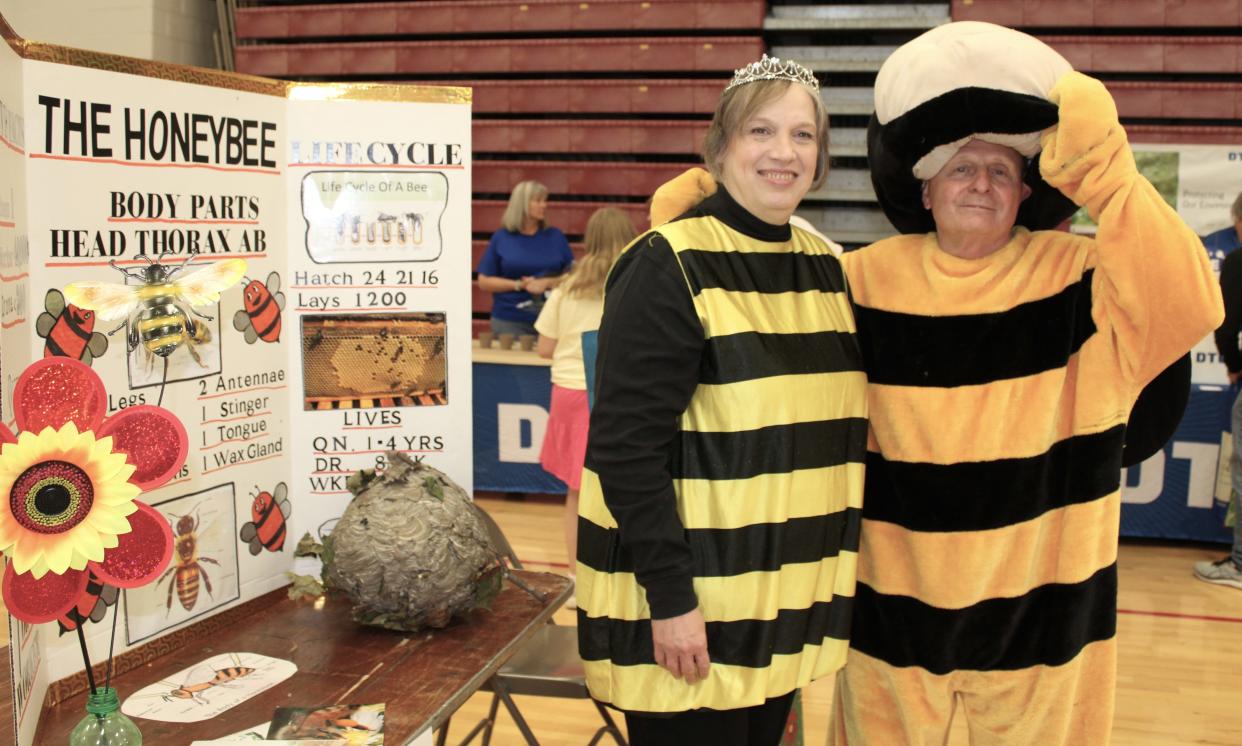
(573, 308)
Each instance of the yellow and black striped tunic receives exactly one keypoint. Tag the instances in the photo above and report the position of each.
(725, 463)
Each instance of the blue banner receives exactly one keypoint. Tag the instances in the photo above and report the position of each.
(510, 415)
(1170, 495)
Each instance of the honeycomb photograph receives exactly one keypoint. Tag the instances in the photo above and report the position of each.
(365, 361)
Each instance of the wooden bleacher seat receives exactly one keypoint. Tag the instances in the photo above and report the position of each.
(570, 217)
(1175, 100)
(558, 96)
(1150, 54)
(1030, 14)
(1187, 135)
(833, 16)
(587, 136)
(525, 56)
(473, 17)
(577, 177)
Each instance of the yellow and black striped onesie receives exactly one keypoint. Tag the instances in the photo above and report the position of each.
(999, 392)
(724, 465)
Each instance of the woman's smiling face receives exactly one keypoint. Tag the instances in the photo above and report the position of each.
(770, 162)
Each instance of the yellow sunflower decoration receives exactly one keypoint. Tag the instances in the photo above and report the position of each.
(69, 497)
(71, 479)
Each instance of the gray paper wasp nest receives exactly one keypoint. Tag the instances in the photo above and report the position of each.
(411, 550)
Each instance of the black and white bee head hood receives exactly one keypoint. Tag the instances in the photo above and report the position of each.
(956, 82)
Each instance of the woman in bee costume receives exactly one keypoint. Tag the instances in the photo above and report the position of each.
(719, 508)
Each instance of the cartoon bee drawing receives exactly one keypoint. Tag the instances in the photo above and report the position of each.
(69, 331)
(160, 311)
(187, 564)
(260, 319)
(92, 604)
(269, 511)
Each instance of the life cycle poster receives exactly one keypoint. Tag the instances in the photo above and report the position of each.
(345, 334)
(378, 228)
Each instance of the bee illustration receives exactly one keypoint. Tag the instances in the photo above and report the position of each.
(160, 310)
(260, 319)
(92, 604)
(69, 331)
(220, 677)
(187, 564)
(269, 511)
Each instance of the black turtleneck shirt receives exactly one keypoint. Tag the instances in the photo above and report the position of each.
(650, 352)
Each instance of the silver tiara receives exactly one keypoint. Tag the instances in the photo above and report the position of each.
(771, 68)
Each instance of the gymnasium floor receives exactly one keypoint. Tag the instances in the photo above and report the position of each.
(1179, 678)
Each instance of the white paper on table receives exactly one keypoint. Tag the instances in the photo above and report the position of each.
(249, 735)
(208, 688)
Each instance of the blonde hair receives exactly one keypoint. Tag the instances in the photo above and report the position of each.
(738, 105)
(608, 231)
(517, 210)
(1236, 210)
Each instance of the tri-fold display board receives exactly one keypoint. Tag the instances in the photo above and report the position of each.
(348, 336)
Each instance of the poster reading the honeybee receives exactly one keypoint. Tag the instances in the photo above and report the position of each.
(156, 206)
(203, 574)
(208, 688)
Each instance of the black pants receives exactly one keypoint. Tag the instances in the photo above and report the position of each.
(761, 725)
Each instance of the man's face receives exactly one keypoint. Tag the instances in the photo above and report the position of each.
(974, 199)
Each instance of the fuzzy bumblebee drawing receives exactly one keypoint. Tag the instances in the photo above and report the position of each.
(160, 311)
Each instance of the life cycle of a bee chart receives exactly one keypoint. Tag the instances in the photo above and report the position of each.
(285, 267)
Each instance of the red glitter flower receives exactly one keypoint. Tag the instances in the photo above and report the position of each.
(71, 476)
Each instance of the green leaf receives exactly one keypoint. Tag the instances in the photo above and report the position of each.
(308, 547)
(326, 555)
(358, 481)
(488, 586)
(304, 586)
(432, 485)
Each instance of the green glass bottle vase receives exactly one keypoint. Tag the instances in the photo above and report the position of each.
(105, 724)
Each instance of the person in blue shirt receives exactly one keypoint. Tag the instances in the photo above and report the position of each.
(1223, 242)
(525, 259)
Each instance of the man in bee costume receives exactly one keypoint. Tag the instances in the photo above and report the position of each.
(1003, 360)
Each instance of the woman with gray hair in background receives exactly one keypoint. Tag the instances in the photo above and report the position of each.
(719, 510)
(524, 259)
